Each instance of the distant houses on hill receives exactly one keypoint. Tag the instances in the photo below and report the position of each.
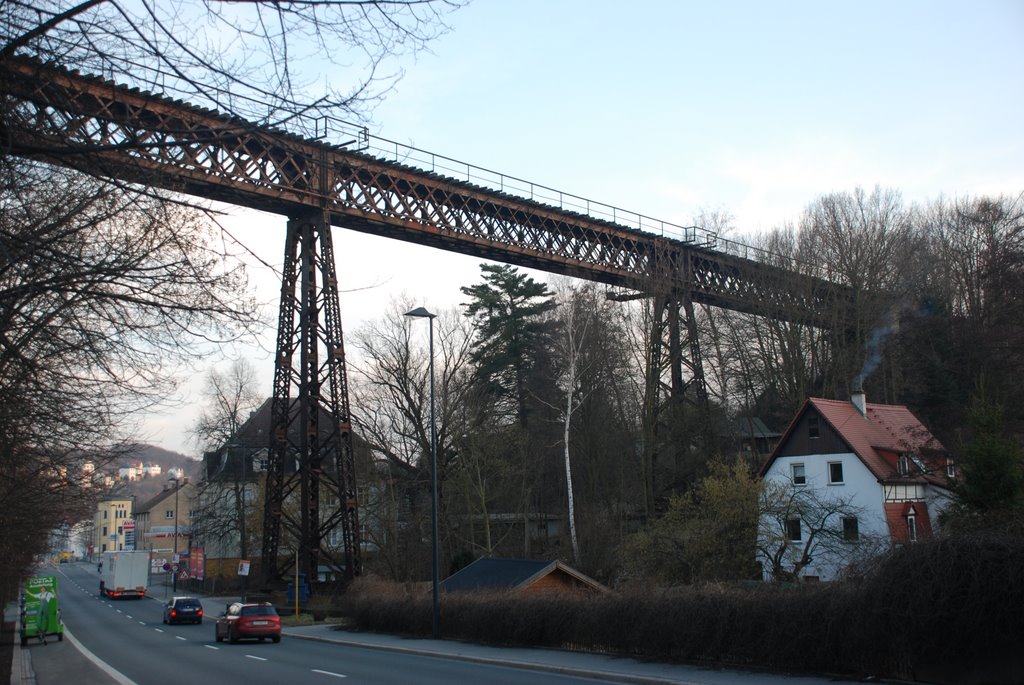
(138, 471)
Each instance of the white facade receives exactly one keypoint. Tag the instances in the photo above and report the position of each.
(859, 493)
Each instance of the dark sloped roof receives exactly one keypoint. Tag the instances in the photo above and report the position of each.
(494, 574)
(753, 427)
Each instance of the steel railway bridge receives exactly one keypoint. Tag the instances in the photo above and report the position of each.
(105, 129)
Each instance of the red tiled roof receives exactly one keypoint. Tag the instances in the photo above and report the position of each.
(896, 516)
(878, 436)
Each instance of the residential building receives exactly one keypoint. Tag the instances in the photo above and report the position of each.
(164, 525)
(109, 523)
(232, 483)
(849, 479)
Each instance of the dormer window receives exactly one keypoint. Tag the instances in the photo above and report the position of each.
(912, 524)
(903, 465)
(950, 468)
(812, 427)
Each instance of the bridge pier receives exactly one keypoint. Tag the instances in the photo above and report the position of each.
(310, 441)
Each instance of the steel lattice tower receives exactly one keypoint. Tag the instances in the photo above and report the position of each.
(311, 452)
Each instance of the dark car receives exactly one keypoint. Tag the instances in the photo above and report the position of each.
(258, 620)
(183, 610)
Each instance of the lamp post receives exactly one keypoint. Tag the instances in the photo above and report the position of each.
(174, 557)
(421, 312)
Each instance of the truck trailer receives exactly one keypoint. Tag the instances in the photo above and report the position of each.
(124, 575)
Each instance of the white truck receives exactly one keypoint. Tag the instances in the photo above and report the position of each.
(124, 574)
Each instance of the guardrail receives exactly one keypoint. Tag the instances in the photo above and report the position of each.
(359, 138)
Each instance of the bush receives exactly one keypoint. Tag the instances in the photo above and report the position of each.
(947, 611)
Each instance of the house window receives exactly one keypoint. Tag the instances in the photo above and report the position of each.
(169, 514)
(912, 528)
(104, 531)
(950, 468)
(835, 473)
(105, 512)
(799, 474)
(812, 427)
(903, 465)
(851, 529)
(793, 530)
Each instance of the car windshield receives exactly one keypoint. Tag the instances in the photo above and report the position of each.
(258, 611)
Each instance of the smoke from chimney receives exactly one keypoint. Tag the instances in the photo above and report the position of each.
(859, 400)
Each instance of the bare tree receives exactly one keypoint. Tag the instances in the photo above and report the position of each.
(265, 61)
(229, 397)
(225, 493)
(390, 389)
(102, 294)
(856, 239)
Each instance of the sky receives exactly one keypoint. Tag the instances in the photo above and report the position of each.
(670, 109)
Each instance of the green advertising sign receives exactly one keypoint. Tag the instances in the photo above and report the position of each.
(41, 615)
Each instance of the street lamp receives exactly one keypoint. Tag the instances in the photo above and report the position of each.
(174, 558)
(436, 623)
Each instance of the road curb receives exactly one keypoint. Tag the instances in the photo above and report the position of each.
(613, 676)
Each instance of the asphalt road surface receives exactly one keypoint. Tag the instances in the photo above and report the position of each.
(125, 642)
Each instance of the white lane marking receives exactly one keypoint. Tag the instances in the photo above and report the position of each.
(333, 675)
(119, 611)
(118, 677)
(211, 647)
(159, 630)
(128, 617)
(179, 637)
(257, 658)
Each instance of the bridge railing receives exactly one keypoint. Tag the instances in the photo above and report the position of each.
(390, 150)
(503, 183)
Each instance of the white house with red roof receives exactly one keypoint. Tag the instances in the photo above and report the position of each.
(876, 475)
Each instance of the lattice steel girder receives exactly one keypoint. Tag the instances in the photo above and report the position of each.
(311, 450)
(90, 123)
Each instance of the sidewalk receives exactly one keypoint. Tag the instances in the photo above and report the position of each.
(21, 662)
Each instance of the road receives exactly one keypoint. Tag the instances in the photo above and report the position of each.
(125, 642)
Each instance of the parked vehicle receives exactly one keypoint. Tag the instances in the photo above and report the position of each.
(40, 613)
(258, 620)
(124, 574)
(183, 610)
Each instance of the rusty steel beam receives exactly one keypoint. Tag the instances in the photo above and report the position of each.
(91, 123)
